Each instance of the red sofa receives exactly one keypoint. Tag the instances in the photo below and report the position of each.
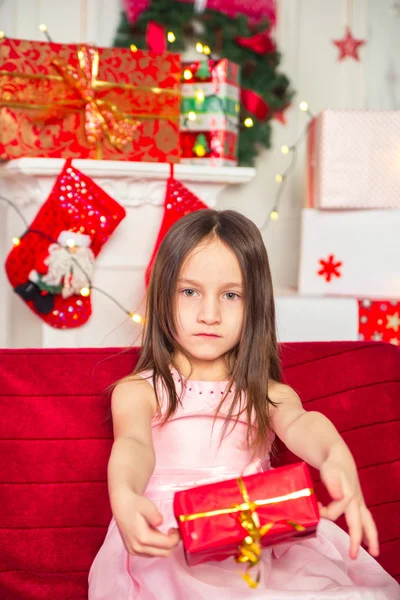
(55, 440)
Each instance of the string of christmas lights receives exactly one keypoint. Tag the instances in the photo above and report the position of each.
(281, 178)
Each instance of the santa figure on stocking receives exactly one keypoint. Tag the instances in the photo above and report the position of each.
(66, 268)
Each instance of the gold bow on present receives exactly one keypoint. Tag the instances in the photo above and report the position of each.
(249, 550)
(101, 117)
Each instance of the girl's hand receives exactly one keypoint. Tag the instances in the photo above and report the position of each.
(137, 519)
(342, 483)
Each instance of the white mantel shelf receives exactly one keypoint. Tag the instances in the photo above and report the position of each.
(110, 168)
(29, 180)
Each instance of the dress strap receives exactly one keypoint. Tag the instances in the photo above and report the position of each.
(147, 375)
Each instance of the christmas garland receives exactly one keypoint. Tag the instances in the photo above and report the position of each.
(265, 91)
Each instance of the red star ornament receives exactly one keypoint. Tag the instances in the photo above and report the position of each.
(349, 46)
(330, 268)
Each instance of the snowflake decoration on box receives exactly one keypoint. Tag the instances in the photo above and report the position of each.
(393, 321)
(330, 268)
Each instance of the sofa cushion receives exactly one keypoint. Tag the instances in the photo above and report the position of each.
(56, 436)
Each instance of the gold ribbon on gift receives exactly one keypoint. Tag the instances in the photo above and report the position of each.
(101, 117)
(249, 550)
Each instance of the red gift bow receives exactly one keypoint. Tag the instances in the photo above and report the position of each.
(155, 37)
(254, 104)
(260, 43)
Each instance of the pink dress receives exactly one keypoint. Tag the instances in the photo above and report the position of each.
(188, 453)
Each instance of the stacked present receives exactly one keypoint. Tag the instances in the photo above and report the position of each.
(350, 227)
(62, 101)
(210, 112)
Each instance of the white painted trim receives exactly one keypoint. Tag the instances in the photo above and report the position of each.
(115, 170)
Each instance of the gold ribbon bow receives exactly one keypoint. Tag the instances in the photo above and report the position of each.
(249, 550)
(101, 117)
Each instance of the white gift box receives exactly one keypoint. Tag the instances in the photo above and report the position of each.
(311, 319)
(354, 160)
(350, 253)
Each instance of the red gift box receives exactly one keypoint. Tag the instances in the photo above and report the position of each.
(248, 512)
(77, 101)
(379, 320)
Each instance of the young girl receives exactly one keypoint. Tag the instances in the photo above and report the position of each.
(203, 405)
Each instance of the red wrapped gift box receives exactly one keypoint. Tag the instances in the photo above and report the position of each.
(275, 506)
(69, 101)
(379, 320)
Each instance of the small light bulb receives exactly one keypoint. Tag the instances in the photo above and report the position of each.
(278, 178)
(206, 50)
(273, 215)
(43, 27)
(285, 149)
(134, 48)
(2, 35)
(171, 37)
(135, 317)
(187, 74)
(200, 151)
(248, 122)
(16, 241)
(199, 47)
(85, 291)
(303, 106)
(192, 115)
(70, 243)
(200, 95)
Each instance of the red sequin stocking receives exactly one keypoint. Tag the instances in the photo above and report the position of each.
(54, 260)
(179, 201)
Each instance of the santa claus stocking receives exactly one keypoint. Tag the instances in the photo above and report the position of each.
(51, 267)
(179, 201)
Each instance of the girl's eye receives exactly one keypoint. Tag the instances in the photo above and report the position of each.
(189, 295)
(232, 294)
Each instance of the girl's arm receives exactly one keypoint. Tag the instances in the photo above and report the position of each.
(314, 439)
(130, 467)
(132, 459)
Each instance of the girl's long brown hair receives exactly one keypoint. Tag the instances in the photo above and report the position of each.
(254, 361)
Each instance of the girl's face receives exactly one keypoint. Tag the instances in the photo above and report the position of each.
(209, 300)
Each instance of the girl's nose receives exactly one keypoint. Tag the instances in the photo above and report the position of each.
(209, 312)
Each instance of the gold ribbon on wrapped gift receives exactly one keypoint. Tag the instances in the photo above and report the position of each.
(249, 550)
(102, 117)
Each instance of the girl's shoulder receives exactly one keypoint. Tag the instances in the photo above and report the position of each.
(281, 393)
(134, 390)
